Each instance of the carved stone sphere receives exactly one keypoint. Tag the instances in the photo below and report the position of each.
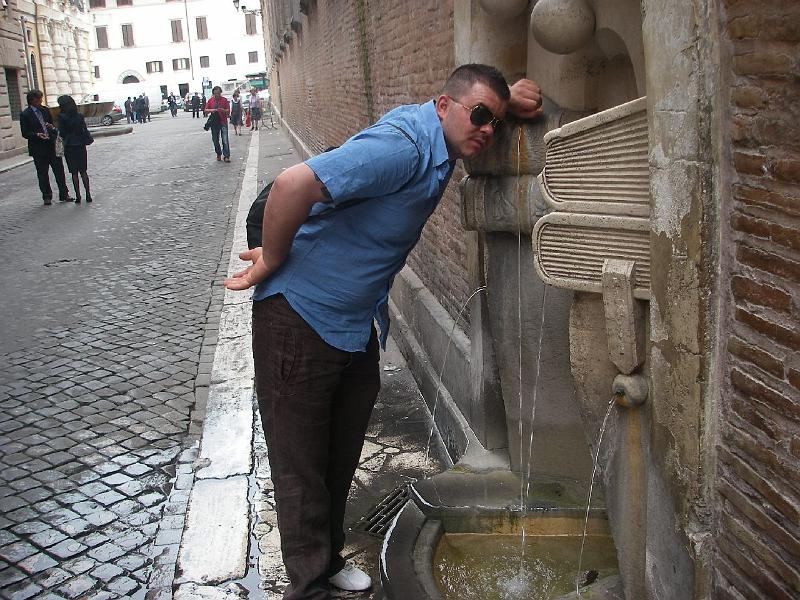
(562, 26)
(504, 9)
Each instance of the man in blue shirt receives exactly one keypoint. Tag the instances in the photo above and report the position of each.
(337, 229)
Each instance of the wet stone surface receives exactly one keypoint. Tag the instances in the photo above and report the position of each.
(108, 312)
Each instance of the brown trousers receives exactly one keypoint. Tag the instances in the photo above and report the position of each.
(315, 402)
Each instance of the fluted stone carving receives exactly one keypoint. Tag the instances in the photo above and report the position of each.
(60, 57)
(596, 178)
(46, 59)
(84, 61)
(73, 68)
(600, 163)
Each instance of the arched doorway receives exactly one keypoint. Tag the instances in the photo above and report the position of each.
(130, 79)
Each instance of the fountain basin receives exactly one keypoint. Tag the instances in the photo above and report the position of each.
(459, 536)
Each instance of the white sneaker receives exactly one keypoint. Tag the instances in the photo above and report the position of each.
(351, 579)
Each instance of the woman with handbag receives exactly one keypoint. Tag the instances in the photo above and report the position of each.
(218, 110)
(236, 113)
(73, 131)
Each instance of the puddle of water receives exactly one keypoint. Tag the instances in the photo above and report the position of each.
(474, 566)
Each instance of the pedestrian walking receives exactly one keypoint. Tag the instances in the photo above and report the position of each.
(76, 136)
(147, 108)
(128, 110)
(173, 105)
(196, 106)
(337, 229)
(236, 113)
(218, 110)
(255, 109)
(36, 125)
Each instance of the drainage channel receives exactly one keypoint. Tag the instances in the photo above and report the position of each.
(377, 521)
(252, 579)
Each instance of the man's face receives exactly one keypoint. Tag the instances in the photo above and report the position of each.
(36, 101)
(463, 138)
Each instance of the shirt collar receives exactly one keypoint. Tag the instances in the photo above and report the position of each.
(438, 144)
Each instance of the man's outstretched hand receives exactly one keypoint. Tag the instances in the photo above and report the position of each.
(526, 100)
(250, 276)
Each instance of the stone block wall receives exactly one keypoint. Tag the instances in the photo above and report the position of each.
(13, 57)
(758, 457)
(351, 62)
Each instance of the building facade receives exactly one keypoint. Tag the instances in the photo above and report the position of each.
(181, 46)
(44, 44)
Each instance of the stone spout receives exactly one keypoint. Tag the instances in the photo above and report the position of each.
(630, 391)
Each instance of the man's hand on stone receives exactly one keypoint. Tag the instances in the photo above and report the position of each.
(526, 100)
(252, 275)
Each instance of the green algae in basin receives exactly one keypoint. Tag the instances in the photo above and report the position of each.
(475, 566)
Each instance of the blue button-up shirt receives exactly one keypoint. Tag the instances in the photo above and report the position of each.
(384, 183)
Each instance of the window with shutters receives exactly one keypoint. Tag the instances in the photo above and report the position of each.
(177, 30)
(202, 28)
(252, 56)
(124, 2)
(96, 72)
(250, 24)
(230, 59)
(204, 62)
(102, 37)
(180, 64)
(155, 66)
(97, 3)
(127, 35)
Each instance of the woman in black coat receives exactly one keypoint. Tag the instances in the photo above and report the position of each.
(76, 136)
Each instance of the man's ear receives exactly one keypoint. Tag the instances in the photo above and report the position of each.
(442, 102)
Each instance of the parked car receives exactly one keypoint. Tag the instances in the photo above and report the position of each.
(112, 116)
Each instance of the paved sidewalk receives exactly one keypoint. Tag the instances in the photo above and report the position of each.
(230, 547)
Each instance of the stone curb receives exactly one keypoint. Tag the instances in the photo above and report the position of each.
(110, 130)
(12, 163)
(215, 539)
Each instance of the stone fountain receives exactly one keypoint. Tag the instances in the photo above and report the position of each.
(563, 211)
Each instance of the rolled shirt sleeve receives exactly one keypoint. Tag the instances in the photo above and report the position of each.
(375, 162)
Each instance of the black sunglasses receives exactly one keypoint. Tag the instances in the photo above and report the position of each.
(479, 115)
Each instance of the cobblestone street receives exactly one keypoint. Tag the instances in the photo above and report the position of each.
(107, 333)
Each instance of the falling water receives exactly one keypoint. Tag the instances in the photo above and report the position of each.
(591, 487)
(519, 584)
(441, 371)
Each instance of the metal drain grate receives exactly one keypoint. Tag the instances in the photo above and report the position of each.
(377, 521)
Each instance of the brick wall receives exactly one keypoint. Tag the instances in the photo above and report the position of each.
(326, 98)
(758, 464)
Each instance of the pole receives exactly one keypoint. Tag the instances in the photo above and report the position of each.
(189, 38)
(28, 68)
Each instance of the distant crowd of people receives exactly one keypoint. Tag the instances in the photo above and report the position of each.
(137, 109)
(50, 144)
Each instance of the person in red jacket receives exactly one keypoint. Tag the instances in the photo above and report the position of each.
(220, 108)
